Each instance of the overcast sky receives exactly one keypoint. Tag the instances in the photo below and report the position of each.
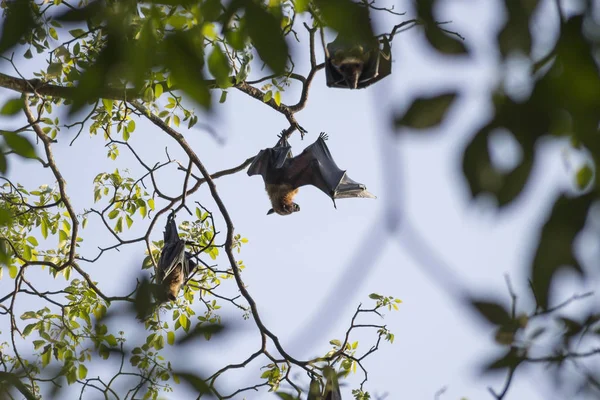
(308, 272)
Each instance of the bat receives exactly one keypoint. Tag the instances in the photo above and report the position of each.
(174, 264)
(284, 174)
(357, 65)
(331, 391)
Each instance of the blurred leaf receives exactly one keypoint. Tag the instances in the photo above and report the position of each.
(185, 61)
(14, 380)
(347, 17)
(555, 249)
(219, 67)
(12, 106)
(195, 381)
(201, 330)
(19, 144)
(265, 31)
(493, 312)
(584, 177)
(426, 112)
(510, 360)
(443, 41)
(93, 9)
(17, 23)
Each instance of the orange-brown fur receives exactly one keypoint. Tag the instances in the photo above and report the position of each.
(173, 282)
(282, 197)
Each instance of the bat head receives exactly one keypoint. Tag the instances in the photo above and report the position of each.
(285, 209)
(351, 69)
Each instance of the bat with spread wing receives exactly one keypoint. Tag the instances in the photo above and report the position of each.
(284, 174)
(351, 65)
(174, 264)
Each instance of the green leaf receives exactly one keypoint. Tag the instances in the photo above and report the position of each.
(171, 337)
(46, 355)
(12, 106)
(219, 67)
(129, 221)
(555, 249)
(267, 96)
(223, 97)
(335, 342)
(55, 69)
(17, 23)
(12, 271)
(114, 214)
(426, 112)
(375, 296)
(44, 228)
(19, 144)
(119, 225)
(584, 177)
(158, 90)
(82, 372)
(77, 32)
(493, 312)
(32, 240)
(195, 381)
(265, 31)
(277, 98)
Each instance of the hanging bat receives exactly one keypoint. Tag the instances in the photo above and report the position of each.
(174, 264)
(357, 65)
(284, 174)
(331, 391)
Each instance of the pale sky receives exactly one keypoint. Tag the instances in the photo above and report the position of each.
(308, 272)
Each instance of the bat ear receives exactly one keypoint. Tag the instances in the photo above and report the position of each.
(271, 211)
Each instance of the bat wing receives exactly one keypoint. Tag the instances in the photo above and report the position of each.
(172, 255)
(173, 252)
(379, 66)
(270, 162)
(315, 166)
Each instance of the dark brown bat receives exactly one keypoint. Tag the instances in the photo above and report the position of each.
(284, 174)
(174, 264)
(357, 65)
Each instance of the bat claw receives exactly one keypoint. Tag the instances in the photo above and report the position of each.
(324, 136)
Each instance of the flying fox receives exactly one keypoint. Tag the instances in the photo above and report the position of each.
(174, 264)
(283, 174)
(356, 65)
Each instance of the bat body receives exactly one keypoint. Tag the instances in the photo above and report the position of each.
(357, 65)
(174, 264)
(284, 174)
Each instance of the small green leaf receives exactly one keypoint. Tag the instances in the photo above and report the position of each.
(171, 337)
(82, 371)
(113, 214)
(12, 106)
(584, 177)
(12, 271)
(267, 96)
(32, 240)
(375, 296)
(277, 98)
(158, 90)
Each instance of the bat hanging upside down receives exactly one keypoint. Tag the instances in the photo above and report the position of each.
(175, 264)
(352, 65)
(284, 174)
